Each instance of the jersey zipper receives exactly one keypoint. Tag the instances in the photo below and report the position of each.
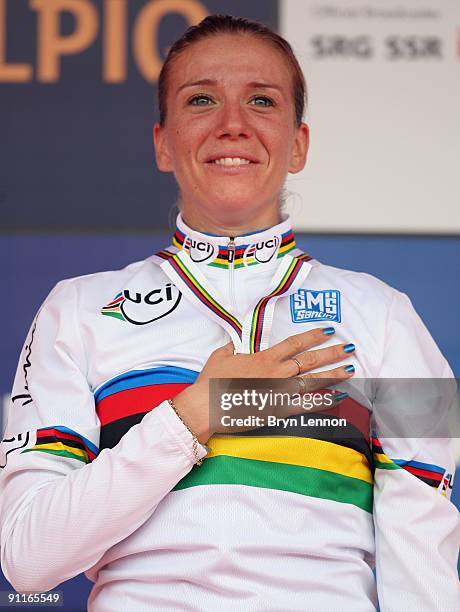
(231, 270)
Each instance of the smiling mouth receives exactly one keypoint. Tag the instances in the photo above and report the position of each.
(231, 162)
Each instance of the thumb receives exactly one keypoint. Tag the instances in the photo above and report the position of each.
(228, 348)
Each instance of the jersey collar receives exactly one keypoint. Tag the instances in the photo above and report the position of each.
(262, 247)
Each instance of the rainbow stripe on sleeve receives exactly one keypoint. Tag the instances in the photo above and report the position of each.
(426, 472)
(60, 440)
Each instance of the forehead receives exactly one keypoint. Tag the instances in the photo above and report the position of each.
(230, 58)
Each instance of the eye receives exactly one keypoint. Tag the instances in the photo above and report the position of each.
(265, 101)
(200, 100)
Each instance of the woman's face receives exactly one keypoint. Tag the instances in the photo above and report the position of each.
(230, 96)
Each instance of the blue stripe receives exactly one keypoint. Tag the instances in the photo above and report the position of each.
(142, 378)
(420, 465)
(92, 447)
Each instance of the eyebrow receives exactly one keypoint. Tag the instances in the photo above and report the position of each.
(200, 82)
(212, 82)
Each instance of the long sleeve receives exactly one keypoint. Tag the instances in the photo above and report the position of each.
(63, 503)
(417, 528)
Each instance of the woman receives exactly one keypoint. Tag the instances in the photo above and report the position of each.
(263, 522)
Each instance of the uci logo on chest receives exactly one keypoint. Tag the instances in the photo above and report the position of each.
(199, 250)
(262, 251)
(140, 308)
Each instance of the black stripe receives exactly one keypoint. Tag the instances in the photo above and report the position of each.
(348, 436)
(113, 432)
(66, 441)
(428, 481)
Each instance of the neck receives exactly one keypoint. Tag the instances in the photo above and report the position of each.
(230, 226)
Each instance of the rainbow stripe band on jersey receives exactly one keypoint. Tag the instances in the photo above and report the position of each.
(60, 440)
(259, 311)
(123, 401)
(188, 277)
(196, 287)
(311, 467)
(243, 255)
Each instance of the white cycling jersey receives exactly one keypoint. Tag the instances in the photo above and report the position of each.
(98, 471)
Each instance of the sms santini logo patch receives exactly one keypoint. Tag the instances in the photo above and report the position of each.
(307, 305)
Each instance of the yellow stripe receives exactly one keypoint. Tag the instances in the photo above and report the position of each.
(60, 446)
(305, 452)
(382, 458)
(287, 247)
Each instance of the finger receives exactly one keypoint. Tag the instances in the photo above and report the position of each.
(318, 380)
(310, 360)
(314, 401)
(297, 343)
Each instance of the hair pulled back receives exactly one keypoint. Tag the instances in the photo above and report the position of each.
(227, 24)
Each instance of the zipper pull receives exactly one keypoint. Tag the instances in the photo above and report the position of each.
(231, 249)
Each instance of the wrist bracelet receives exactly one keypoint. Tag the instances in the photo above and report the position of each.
(198, 461)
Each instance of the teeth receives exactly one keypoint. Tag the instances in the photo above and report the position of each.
(231, 161)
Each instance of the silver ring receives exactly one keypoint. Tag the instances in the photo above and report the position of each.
(302, 385)
(298, 365)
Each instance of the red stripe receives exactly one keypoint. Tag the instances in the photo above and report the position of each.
(353, 412)
(60, 435)
(288, 238)
(424, 473)
(263, 304)
(164, 254)
(179, 237)
(133, 401)
(120, 299)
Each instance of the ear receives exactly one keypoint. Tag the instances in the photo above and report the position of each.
(300, 149)
(162, 155)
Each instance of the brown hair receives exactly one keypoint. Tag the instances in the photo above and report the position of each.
(227, 24)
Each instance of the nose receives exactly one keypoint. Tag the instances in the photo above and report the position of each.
(233, 121)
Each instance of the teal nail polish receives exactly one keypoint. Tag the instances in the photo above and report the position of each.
(349, 348)
(340, 396)
(329, 330)
(349, 368)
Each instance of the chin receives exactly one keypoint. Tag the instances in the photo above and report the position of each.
(235, 201)
(231, 208)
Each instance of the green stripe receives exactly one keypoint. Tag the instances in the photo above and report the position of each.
(219, 265)
(62, 453)
(237, 264)
(286, 275)
(386, 466)
(117, 315)
(256, 313)
(284, 477)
